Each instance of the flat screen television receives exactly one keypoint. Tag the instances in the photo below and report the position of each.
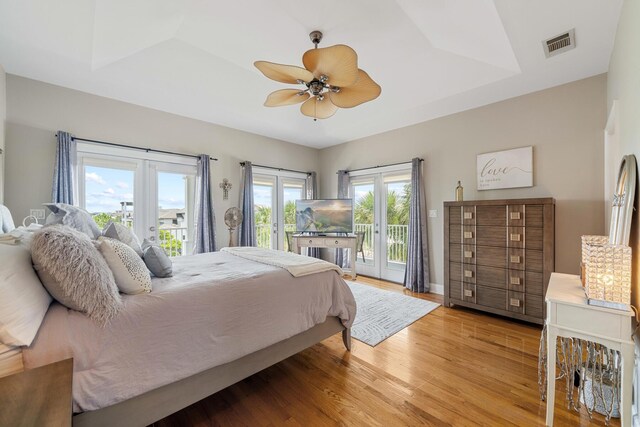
(324, 216)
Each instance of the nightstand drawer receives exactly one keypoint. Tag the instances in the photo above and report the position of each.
(334, 243)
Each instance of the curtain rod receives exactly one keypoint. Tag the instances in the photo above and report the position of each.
(152, 150)
(277, 169)
(381, 166)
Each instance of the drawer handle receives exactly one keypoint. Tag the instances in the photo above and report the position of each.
(515, 280)
(514, 302)
(468, 293)
(515, 259)
(468, 273)
(337, 242)
(515, 215)
(515, 237)
(468, 234)
(468, 215)
(310, 241)
(468, 254)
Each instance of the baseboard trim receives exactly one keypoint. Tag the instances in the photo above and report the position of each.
(436, 289)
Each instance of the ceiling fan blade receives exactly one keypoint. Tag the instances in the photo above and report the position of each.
(283, 73)
(285, 97)
(318, 109)
(339, 63)
(364, 90)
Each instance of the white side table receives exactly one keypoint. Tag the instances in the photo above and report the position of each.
(569, 315)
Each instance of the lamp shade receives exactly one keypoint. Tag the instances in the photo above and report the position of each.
(607, 272)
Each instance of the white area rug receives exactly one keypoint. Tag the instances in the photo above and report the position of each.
(383, 313)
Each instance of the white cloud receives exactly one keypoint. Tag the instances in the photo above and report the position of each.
(122, 185)
(92, 176)
(109, 191)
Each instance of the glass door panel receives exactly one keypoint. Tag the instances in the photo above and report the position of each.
(398, 195)
(108, 194)
(364, 221)
(174, 212)
(264, 198)
(292, 190)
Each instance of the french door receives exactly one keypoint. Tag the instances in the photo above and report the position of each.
(274, 197)
(153, 195)
(381, 213)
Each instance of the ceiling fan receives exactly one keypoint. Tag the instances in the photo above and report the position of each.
(331, 78)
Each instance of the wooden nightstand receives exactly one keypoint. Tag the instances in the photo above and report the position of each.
(37, 397)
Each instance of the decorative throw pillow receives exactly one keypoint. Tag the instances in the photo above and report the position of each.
(132, 276)
(74, 272)
(74, 217)
(123, 234)
(156, 259)
(24, 300)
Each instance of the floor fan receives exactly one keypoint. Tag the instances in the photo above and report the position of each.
(232, 218)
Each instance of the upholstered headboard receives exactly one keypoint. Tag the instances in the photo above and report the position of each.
(6, 221)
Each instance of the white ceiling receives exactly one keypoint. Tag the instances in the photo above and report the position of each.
(194, 57)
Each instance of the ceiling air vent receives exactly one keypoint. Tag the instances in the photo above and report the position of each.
(560, 43)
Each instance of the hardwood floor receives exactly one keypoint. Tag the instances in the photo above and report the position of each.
(453, 367)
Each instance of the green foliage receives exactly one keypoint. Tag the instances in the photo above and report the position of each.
(290, 212)
(103, 218)
(397, 207)
(170, 243)
(262, 214)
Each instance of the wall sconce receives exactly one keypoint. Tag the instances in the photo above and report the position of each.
(607, 272)
(226, 186)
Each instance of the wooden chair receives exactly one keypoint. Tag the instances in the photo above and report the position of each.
(360, 244)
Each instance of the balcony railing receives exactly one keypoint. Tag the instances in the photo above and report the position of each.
(397, 236)
(173, 240)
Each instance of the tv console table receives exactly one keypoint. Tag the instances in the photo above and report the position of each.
(345, 242)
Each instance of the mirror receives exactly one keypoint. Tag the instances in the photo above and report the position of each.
(622, 206)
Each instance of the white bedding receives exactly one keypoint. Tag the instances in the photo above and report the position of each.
(216, 308)
(295, 264)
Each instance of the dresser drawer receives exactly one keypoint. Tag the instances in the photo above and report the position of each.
(491, 256)
(469, 292)
(534, 216)
(469, 215)
(491, 276)
(333, 243)
(531, 305)
(491, 297)
(455, 290)
(455, 215)
(515, 215)
(462, 253)
(491, 236)
(516, 259)
(533, 238)
(462, 234)
(534, 283)
(462, 272)
(491, 216)
(516, 237)
(516, 280)
(533, 260)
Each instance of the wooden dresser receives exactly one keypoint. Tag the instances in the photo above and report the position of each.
(499, 255)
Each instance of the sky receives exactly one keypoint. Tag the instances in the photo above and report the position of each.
(105, 188)
(262, 194)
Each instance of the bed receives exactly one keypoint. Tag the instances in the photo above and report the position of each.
(219, 319)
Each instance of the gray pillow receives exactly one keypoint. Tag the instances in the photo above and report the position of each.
(123, 234)
(74, 217)
(156, 260)
(74, 272)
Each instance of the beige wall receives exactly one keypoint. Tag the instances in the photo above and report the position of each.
(564, 124)
(624, 86)
(37, 110)
(3, 116)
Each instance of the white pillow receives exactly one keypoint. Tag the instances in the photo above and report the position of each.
(129, 270)
(23, 299)
(123, 234)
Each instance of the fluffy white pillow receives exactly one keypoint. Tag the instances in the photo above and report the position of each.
(24, 301)
(123, 234)
(129, 270)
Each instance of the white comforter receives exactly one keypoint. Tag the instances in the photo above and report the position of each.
(216, 308)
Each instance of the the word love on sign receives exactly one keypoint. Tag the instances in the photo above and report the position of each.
(505, 169)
